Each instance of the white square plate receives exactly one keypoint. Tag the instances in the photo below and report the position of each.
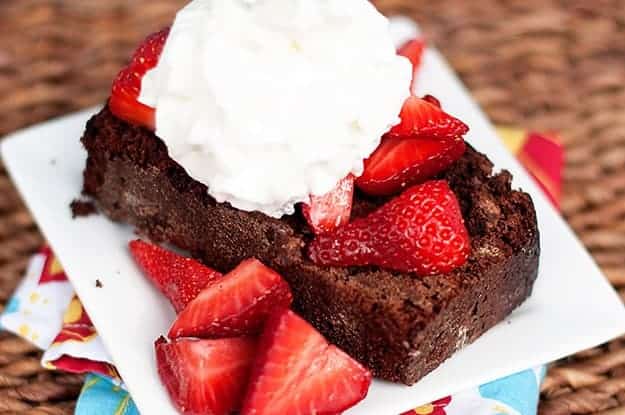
(573, 307)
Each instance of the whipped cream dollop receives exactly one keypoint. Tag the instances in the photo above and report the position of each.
(269, 101)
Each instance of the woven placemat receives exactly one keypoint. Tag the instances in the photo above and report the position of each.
(541, 64)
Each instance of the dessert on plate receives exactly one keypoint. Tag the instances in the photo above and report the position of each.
(283, 136)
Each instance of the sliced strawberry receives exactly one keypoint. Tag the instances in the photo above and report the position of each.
(401, 162)
(413, 50)
(127, 86)
(297, 372)
(421, 118)
(421, 231)
(148, 53)
(236, 304)
(327, 212)
(432, 100)
(426, 142)
(180, 279)
(205, 376)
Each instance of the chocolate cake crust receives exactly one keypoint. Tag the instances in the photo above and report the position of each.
(401, 326)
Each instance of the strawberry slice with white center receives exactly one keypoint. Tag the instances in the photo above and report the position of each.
(298, 372)
(205, 376)
(235, 304)
(419, 117)
(398, 163)
(180, 279)
(413, 50)
(124, 100)
(426, 142)
(327, 212)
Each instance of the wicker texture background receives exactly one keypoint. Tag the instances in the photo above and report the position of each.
(542, 64)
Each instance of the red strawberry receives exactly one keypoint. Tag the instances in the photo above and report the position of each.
(421, 118)
(413, 50)
(180, 279)
(401, 162)
(297, 372)
(432, 100)
(205, 376)
(127, 86)
(327, 212)
(236, 304)
(420, 231)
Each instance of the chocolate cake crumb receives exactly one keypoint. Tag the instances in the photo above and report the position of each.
(400, 326)
(81, 208)
(98, 283)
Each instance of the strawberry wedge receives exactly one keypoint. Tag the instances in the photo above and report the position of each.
(413, 50)
(421, 118)
(205, 376)
(180, 279)
(420, 231)
(124, 100)
(424, 143)
(298, 372)
(398, 162)
(328, 212)
(234, 305)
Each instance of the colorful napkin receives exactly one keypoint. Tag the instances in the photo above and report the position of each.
(45, 310)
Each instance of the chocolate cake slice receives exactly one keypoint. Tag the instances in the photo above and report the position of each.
(401, 326)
